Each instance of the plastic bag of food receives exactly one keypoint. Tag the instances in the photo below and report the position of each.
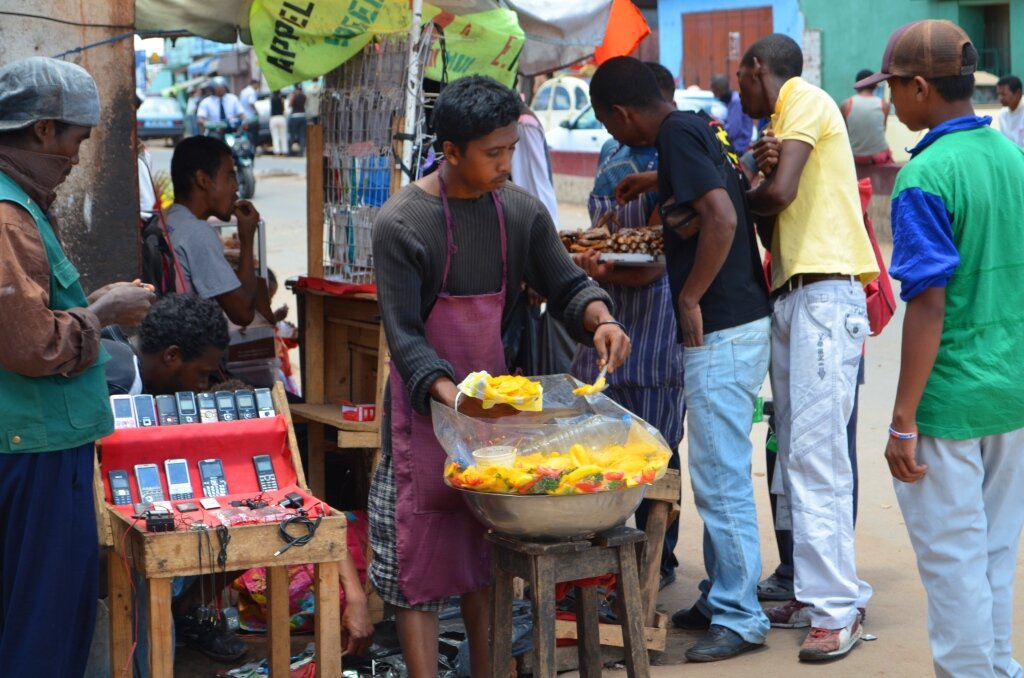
(522, 393)
(575, 444)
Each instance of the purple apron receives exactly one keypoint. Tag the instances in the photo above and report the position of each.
(441, 547)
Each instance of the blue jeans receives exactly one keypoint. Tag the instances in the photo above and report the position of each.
(723, 378)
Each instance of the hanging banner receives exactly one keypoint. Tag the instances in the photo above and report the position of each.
(482, 43)
(298, 40)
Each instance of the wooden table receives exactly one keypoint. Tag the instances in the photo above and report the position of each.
(158, 557)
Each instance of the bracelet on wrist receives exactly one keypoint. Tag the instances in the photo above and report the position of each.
(901, 436)
(610, 322)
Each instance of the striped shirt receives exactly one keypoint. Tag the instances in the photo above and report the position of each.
(656, 359)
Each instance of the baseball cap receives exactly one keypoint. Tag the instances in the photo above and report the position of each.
(932, 48)
(41, 88)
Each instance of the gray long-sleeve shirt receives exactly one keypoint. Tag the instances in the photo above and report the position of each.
(409, 243)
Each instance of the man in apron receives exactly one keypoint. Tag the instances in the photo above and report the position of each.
(452, 252)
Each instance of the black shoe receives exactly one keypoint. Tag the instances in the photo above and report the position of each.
(692, 619)
(717, 644)
(211, 639)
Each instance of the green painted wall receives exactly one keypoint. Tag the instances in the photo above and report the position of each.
(853, 34)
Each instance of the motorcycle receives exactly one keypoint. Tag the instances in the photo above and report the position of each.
(236, 136)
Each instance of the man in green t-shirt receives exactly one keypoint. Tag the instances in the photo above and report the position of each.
(956, 441)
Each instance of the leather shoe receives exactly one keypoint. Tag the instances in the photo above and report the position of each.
(691, 618)
(717, 644)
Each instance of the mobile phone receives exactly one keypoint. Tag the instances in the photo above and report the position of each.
(167, 410)
(226, 406)
(264, 403)
(211, 471)
(120, 489)
(145, 410)
(246, 404)
(186, 506)
(187, 411)
(148, 478)
(124, 411)
(265, 472)
(179, 485)
(207, 407)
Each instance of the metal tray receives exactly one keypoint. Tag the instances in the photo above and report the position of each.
(632, 259)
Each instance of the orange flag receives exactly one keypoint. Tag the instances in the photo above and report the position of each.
(626, 28)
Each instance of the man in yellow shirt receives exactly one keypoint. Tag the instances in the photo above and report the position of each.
(821, 258)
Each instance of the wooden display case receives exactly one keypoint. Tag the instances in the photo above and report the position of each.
(158, 557)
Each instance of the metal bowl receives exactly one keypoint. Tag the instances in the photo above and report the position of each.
(553, 517)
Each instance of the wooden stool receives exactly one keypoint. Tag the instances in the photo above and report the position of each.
(544, 564)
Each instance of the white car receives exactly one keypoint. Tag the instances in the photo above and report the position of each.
(560, 99)
(585, 134)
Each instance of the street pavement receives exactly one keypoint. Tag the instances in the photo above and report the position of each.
(896, 613)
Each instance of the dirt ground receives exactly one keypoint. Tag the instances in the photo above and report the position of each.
(896, 614)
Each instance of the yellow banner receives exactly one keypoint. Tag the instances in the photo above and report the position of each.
(298, 40)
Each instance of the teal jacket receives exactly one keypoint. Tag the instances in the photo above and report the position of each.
(52, 413)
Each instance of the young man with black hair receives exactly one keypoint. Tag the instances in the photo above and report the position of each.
(957, 428)
(821, 259)
(178, 348)
(452, 251)
(867, 116)
(205, 185)
(651, 383)
(737, 123)
(1011, 117)
(722, 312)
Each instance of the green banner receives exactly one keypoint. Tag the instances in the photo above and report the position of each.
(297, 40)
(483, 43)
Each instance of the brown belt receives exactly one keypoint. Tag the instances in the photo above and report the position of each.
(799, 280)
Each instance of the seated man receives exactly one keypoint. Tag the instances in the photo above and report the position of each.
(178, 348)
(205, 186)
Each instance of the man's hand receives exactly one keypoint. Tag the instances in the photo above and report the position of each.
(612, 346)
(691, 323)
(248, 219)
(356, 628)
(633, 185)
(590, 262)
(767, 151)
(122, 303)
(901, 456)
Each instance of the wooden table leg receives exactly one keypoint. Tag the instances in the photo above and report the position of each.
(328, 620)
(542, 588)
(650, 576)
(315, 458)
(632, 614)
(278, 631)
(501, 619)
(119, 599)
(161, 648)
(588, 640)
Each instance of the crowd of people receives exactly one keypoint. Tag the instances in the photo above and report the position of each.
(212, 103)
(460, 251)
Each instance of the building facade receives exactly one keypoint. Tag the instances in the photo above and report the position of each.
(698, 38)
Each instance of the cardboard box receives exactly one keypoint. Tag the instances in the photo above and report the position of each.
(354, 412)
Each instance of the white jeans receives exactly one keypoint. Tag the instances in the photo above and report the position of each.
(818, 332)
(964, 518)
(279, 134)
